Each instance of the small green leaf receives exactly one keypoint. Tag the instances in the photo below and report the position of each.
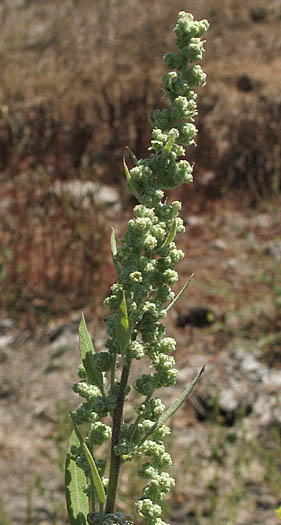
(133, 157)
(129, 181)
(87, 351)
(113, 243)
(184, 395)
(123, 334)
(175, 406)
(75, 483)
(114, 251)
(171, 235)
(124, 314)
(94, 471)
(169, 144)
(179, 294)
(127, 172)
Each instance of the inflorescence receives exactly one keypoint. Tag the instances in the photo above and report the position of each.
(145, 259)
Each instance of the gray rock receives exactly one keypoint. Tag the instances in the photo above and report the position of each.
(232, 263)
(274, 249)
(83, 193)
(228, 400)
(251, 366)
(219, 244)
(6, 324)
(66, 339)
(194, 220)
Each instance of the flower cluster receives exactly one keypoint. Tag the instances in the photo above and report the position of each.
(145, 260)
(110, 519)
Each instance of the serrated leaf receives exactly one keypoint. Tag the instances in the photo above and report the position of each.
(94, 471)
(75, 483)
(87, 350)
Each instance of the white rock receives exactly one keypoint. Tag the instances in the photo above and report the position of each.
(250, 365)
(273, 378)
(228, 400)
(6, 340)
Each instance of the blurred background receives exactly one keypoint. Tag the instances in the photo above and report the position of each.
(78, 80)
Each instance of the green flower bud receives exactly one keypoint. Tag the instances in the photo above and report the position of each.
(135, 277)
(145, 384)
(170, 276)
(136, 350)
(147, 509)
(81, 371)
(89, 392)
(194, 76)
(147, 471)
(102, 361)
(99, 433)
(150, 242)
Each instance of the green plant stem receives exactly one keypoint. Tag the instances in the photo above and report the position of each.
(115, 460)
(112, 372)
(101, 513)
(137, 421)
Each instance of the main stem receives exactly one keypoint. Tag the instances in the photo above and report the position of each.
(115, 460)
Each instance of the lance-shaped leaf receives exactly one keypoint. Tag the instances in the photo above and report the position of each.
(169, 144)
(123, 333)
(127, 172)
(133, 156)
(175, 406)
(129, 181)
(171, 235)
(113, 243)
(75, 483)
(179, 294)
(114, 251)
(94, 471)
(87, 350)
